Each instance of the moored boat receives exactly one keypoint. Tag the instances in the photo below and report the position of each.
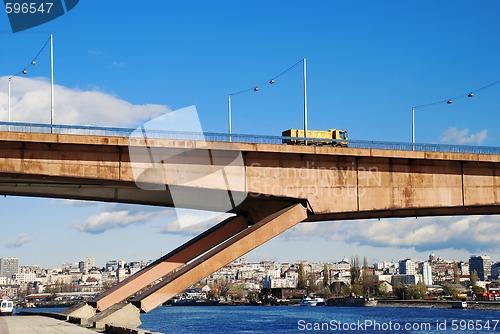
(352, 301)
(459, 305)
(312, 301)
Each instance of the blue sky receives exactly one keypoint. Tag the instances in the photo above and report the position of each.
(368, 62)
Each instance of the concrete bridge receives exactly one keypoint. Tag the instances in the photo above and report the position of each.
(269, 188)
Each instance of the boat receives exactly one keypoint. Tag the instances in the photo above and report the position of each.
(312, 301)
(352, 301)
(371, 302)
(459, 305)
(6, 307)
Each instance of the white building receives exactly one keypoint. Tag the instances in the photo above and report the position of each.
(343, 265)
(21, 278)
(381, 278)
(272, 282)
(275, 273)
(406, 279)
(59, 279)
(5, 281)
(384, 265)
(407, 267)
(427, 274)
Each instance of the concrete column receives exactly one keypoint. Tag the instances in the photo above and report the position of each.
(220, 256)
(170, 262)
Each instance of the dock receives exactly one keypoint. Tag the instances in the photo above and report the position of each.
(39, 325)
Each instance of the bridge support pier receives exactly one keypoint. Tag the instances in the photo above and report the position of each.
(83, 312)
(169, 262)
(121, 314)
(220, 256)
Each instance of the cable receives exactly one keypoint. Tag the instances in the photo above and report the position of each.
(449, 101)
(268, 81)
(33, 62)
(487, 86)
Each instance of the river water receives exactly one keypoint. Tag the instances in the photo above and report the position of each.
(297, 319)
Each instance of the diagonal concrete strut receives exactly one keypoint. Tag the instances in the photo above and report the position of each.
(169, 262)
(220, 256)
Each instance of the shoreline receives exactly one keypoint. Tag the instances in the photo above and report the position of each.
(473, 304)
(477, 305)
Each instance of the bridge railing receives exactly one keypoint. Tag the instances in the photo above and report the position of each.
(238, 138)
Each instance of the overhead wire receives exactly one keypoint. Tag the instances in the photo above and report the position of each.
(256, 87)
(449, 101)
(33, 61)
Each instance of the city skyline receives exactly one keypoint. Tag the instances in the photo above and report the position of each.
(85, 276)
(368, 64)
(102, 263)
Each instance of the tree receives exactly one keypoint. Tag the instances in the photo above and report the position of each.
(474, 278)
(355, 271)
(473, 282)
(236, 292)
(339, 288)
(450, 290)
(311, 282)
(456, 277)
(326, 275)
(367, 280)
(356, 286)
(108, 284)
(301, 279)
(325, 293)
(405, 291)
(421, 289)
(401, 291)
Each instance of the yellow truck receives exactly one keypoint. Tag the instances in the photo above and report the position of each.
(331, 137)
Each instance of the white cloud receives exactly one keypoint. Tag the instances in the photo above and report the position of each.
(114, 219)
(471, 233)
(22, 239)
(455, 136)
(30, 102)
(78, 203)
(174, 221)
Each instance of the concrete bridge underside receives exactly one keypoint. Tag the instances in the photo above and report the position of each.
(277, 186)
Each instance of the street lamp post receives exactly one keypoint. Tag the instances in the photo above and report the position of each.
(51, 82)
(25, 71)
(33, 63)
(412, 128)
(8, 102)
(305, 99)
(229, 115)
